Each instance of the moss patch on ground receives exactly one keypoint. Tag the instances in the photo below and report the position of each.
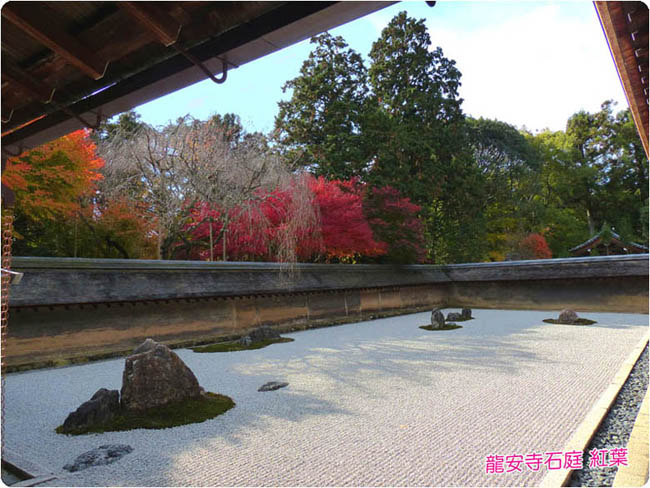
(577, 322)
(191, 411)
(446, 327)
(236, 346)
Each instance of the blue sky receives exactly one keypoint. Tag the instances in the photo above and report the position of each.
(530, 64)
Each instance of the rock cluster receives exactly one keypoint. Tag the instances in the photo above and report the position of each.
(153, 376)
(465, 314)
(106, 454)
(260, 334)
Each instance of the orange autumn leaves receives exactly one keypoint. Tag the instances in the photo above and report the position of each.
(50, 181)
(60, 210)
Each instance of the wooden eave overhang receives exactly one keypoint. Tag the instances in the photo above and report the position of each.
(68, 65)
(625, 25)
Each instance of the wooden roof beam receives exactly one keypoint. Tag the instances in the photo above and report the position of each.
(37, 21)
(165, 28)
(626, 60)
(25, 82)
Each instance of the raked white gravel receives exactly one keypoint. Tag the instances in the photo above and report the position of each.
(373, 403)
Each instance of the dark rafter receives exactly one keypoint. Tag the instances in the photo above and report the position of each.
(166, 30)
(36, 90)
(37, 21)
(25, 82)
(153, 18)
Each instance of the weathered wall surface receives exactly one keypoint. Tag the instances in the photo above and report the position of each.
(67, 308)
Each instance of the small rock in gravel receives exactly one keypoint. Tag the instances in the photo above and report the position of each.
(106, 454)
(272, 385)
(466, 313)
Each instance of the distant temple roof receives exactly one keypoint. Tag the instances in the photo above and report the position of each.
(615, 246)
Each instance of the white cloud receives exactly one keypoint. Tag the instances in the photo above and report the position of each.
(535, 69)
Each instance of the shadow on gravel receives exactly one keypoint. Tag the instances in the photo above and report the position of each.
(377, 351)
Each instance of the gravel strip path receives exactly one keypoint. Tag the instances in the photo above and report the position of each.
(616, 427)
(374, 403)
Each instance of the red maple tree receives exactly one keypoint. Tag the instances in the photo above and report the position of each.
(394, 221)
(345, 230)
(534, 246)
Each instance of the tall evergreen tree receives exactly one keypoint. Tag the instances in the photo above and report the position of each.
(420, 138)
(319, 128)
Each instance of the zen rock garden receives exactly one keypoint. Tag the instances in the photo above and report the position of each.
(569, 317)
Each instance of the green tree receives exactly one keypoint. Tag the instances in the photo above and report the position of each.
(564, 217)
(418, 130)
(320, 127)
(510, 164)
(124, 125)
(416, 90)
(609, 176)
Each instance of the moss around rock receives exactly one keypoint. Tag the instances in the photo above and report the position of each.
(445, 327)
(236, 346)
(190, 411)
(576, 322)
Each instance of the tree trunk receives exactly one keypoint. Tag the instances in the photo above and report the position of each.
(211, 243)
(76, 225)
(225, 233)
(160, 243)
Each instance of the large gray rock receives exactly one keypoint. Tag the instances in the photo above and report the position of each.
(156, 377)
(453, 316)
(466, 313)
(106, 454)
(263, 333)
(567, 317)
(437, 319)
(100, 409)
